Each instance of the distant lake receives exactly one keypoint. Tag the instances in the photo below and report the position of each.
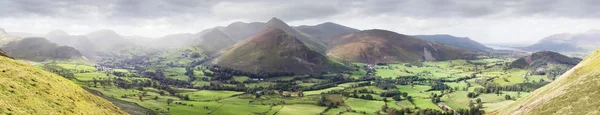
(503, 48)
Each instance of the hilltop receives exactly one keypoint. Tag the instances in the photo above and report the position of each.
(311, 42)
(274, 50)
(213, 41)
(573, 93)
(81, 43)
(40, 49)
(108, 40)
(29, 90)
(326, 31)
(373, 46)
(461, 42)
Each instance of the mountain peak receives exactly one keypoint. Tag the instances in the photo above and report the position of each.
(330, 23)
(276, 22)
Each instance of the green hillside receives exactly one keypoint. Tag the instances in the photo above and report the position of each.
(28, 90)
(574, 93)
(40, 49)
(274, 50)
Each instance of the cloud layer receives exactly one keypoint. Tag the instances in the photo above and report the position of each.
(487, 21)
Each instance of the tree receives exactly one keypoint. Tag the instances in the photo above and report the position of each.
(186, 97)
(95, 82)
(478, 100)
(507, 97)
(141, 97)
(301, 94)
(169, 101)
(396, 98)
(369, 97)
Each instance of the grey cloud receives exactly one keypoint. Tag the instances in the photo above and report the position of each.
(559, 8)
(161, 8)
(294, 10)
(287, 10)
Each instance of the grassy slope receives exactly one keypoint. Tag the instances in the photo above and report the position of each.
(574, 93)
(28, 90)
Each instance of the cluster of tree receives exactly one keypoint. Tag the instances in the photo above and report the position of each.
(435, 98)
(160, 77)
(491, 87)
(216, 69)
(385, 84)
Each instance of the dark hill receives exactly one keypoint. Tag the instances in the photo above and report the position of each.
(373, 46)
(40, 49)
(546, 62)
(274, 50)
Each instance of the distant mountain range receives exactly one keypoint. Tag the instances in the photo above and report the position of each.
(327, 39)
(565, 42)
(573, 93)
(461, 42)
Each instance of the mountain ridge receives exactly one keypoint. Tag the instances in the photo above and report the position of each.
(274, 50)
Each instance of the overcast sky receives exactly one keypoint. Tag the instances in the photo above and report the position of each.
(487, 21)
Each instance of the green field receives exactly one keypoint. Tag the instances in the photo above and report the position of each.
(210, 95)
(264, 96)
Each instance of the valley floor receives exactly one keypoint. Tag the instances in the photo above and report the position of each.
(169, 86)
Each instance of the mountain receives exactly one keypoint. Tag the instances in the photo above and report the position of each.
(373, 46)
(173, 41)
(544, 62)
(81, 43)
(587, 41)
(573, 93)
(107, 40)
(325, 31)
(214, 41)
(40, 49)
(310, 41)
(239, 31)
(6, 38)
(139, 40)
(274, 50)
(461, 42)
(29, 90)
